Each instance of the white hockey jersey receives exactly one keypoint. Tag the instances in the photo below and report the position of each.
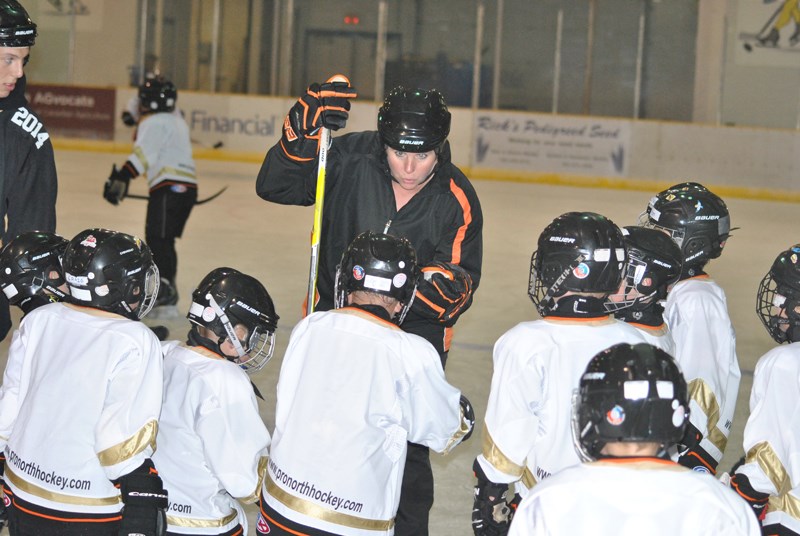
(659, 336)
(79, 406)
(212, 443)
(163, 149)
(353, 390)
(696, 311)
(537, 367)
(634, 496)
(772, 435)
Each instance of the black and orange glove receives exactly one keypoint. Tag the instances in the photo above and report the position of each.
(326, 105)
(692, 455)
(444, 292)
(757, 500)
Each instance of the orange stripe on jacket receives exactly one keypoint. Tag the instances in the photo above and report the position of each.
(462, 231)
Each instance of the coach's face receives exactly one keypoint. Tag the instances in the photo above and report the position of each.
(12, 62)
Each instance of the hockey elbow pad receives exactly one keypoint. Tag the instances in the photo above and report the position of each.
(757, 500)
(444, 292)
(144, 501)
(491, 514)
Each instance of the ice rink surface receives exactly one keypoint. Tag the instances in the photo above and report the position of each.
(271, 242)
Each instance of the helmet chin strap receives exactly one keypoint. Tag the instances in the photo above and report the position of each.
(226, 323)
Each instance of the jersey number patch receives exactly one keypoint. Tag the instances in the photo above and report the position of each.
(30, 124)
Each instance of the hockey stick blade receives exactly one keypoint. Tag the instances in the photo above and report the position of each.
(198, 202)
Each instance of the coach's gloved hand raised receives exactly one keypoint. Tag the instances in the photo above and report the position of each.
(326, 105)
(491, 514)
(146, 502)
(444, 292)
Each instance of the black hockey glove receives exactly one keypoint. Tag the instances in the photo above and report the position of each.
(444, 292)
(467, 416)
(116, 187)
(692, 455)
(757, 500)
(128, 119)
(491, 515)
(145, 503)
(326, 105)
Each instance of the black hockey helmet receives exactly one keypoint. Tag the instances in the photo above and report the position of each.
(631, 393)
(778, 298)
(696, 218)
(581, 252)
(157, 94)
(227, 298)
(654, 264)
(30, 268)
(16, 27)
(111, 271)
(414, 120)
(378, 263)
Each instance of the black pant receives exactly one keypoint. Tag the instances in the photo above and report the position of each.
(24, 521)
(416, 493)
(167, 211)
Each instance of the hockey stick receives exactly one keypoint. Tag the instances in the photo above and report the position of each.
(199, 202)
(319, 200)
(202, 145)
(747, 46)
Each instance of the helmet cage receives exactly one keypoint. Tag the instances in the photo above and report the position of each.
(631, 292)
(778, 308)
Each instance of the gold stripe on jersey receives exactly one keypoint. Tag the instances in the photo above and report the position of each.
(187, 522)
(528, 479)
(262, 472)
(461, 432)
(770, 463)
(700, 392)
(499, 460)
(145, 437)
(318, 512)
(33, 489)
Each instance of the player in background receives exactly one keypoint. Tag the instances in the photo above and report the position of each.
(654, 265)
(537, 364)
(27, 166)
(132, 113)
(769, 479)
(399, 180)
(631, 408)
(353, 390)
(212, 443)
(162, 151)
(81, 397)
(696, 312)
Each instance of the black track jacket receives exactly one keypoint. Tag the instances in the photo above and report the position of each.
(443, 221)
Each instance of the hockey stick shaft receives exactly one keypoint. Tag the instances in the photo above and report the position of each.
(316, 230)
(769, 22)
(199, 202)
(319, 201)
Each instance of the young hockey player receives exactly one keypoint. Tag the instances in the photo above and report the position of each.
(212, 443)
(30, 270)
(696, 312)
(81, 397)
(631, 407)
(27, 164)
(353, 389)
(769, 479)
(399, 180)
(162, 151)
(537, 364)
(654, 265)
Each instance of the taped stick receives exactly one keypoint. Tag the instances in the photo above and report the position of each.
(319, 201)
